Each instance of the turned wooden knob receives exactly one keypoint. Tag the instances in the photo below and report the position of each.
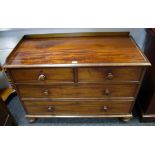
(41, 77)
(105, 108)
(110, 76)
(50, 108)
(46, 92)
(106, 92)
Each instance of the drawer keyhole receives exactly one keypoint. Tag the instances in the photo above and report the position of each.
(46, 92)
(107, 92)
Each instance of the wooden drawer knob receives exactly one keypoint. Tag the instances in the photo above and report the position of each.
(107, 92)
(105, 108)
(46, 92)
(41, 77)
(50, 108)
(110, 76)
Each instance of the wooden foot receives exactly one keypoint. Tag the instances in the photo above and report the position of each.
(125, 119)
(32, 120)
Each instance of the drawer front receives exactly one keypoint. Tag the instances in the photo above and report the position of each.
(79, 91)
(42, 75)
(112, 74)
(78, 107)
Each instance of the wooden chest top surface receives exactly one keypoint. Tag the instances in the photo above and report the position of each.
(76, 51)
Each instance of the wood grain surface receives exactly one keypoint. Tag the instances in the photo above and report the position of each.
(82, 50)
(85, 74)
(78, 107)
(51, 75)
(101, 74)
(77, 91)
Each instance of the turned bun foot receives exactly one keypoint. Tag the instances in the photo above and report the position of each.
(125, 119)
(32, 120)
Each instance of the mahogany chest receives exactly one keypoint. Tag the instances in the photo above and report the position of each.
(77, 75)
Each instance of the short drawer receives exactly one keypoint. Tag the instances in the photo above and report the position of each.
(78, 107)
(79, 91)
(42, 75)
(111, 74)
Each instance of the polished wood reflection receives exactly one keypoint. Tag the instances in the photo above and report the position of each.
(82, 50)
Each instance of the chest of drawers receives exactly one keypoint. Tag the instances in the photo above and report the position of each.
(77, 75)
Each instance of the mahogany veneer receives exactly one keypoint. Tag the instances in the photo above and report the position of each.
(78, 108)
(77, 75)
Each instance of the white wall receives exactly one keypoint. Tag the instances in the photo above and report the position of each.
(10, 37)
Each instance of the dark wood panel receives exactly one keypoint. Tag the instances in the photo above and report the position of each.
(43, 75)
(78, 108)
(78, 91)
(109, 74)
(146, 96)
(82, 50)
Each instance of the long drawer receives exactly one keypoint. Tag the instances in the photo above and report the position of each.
(109, 74)
(77, 91)
(77, 107)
